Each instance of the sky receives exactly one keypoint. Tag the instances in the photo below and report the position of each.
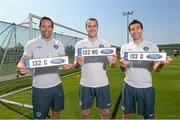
(160, 18)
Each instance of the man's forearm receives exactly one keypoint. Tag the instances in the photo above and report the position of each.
(158, 66)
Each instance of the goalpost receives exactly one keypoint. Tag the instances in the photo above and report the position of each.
(15, 89)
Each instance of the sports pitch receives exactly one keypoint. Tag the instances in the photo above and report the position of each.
(166, 83)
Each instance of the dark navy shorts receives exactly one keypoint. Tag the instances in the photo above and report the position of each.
(145, 98)
(45, 98)
(102, 95)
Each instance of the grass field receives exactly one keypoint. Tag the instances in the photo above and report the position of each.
(166, 83)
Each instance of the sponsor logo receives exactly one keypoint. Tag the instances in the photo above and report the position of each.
(57, 61)
(154, 56)
(107, 51)
(39, 46)
(138, 62)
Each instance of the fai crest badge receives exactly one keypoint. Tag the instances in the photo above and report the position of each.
(146, 49)
(56, 46)
(101, 46)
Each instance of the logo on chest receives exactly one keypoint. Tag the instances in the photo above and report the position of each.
(39, 47)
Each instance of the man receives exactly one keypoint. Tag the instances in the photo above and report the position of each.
(47, 90)
(138, 81)
(94, 82)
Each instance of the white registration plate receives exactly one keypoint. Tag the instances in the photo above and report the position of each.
(145, 56)
(96, 51)
(46, 62)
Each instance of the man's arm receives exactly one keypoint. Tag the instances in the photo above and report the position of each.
(66, 67)
(124, 64)
(112, 60)
(78, 61)
(21, 67)
(158, 65)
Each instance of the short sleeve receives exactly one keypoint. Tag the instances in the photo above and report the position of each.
(76, 48)
(28, 49)
(154, 48)
(122, 51)
(106, 44)
(61, 49)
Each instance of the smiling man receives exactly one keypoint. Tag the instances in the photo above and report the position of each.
(94, 82)
(47, 90)
(138, 81)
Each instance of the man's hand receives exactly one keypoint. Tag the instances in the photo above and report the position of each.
(159, 64)
(124, 64)
(80, 60)
(67, 66)
(168, 60)
(112, 59)
(21, 68)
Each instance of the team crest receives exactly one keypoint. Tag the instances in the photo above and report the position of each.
(101, 46)
(56, 46)
(146, 49)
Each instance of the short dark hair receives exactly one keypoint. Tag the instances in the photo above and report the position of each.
(46, 18)
(92, 19)
(134, 22)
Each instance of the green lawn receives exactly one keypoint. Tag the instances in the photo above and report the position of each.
(166, 83)
(7, 69)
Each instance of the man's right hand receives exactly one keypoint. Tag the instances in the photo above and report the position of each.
(124, 64)
(80, 60)
(21, 68)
